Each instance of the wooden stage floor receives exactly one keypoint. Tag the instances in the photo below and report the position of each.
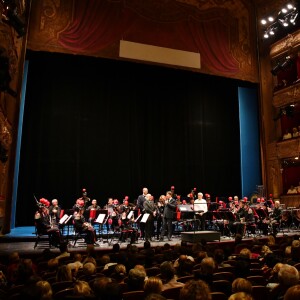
(22, 239)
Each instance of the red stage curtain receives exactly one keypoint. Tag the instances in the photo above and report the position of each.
(98, 24)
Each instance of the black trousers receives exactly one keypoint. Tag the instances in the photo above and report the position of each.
(149, 226)
(167, 224)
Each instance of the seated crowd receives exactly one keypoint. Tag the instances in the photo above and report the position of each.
(239, 270)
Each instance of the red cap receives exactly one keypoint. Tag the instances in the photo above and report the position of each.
(230, 198)
(195, 189)
(126, 197)
(172, 187)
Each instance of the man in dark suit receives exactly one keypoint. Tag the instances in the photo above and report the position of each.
(150, 209)
(140, 206)
(170, 209)
(141, 199)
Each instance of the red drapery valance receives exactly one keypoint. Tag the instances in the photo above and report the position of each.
(99, 23)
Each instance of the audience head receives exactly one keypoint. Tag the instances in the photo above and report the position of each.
(288, 275)
(116, 247)
(245, 253)
(77, 257)
(238, 238)
(208, 266)
(136, 278)
(240, 296)
(43, 290)
(119, 272)
(219, 256)
(82, 288)
(195, 290)
(271, 240)
(167, 271)
(153, 285)
(147, 245)
(292, 293)
(89, 269)
(241, 285)
(100, 285)
(64, 273)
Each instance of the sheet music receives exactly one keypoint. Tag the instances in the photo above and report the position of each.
(63, 219)
(70, 216)
(130, 215)
(100, 218)
(145, 218)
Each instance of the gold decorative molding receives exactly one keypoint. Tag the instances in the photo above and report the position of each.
(51, 17)
(286, 45)
(288, 148)
(287, 96)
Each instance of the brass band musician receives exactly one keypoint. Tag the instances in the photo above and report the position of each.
(276, 216)
(82, 226)
(43, 223)
(92, 209)
(54, 211)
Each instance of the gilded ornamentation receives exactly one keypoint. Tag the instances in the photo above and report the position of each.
(287, 96)
(51, 17)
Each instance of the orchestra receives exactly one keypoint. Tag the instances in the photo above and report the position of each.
(230, 216)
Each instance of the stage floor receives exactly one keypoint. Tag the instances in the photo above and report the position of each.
(22, 239)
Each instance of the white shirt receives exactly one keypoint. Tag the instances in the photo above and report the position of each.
(200, 204)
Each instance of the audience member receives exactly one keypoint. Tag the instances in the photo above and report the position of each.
(136, 278)
(195, 290)
(167, 272)
(293, 293)
(242, 285)
(207, 268)
(287, 276)
(64, 273)
(82, 288)
(240, 296)
(153, 285)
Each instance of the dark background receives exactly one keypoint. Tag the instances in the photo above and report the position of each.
(113, 127)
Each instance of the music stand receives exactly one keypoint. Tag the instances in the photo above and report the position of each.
(102, 217)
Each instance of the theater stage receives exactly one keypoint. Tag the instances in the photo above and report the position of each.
(22, 239)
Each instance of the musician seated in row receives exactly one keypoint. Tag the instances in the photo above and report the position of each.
(44, 224)
(200, 208)
(81, 226)
(92, 211)
(55, 211)
(276, 217)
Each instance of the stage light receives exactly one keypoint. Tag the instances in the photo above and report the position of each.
(263, 21)
(285, 17)
(271, 19)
